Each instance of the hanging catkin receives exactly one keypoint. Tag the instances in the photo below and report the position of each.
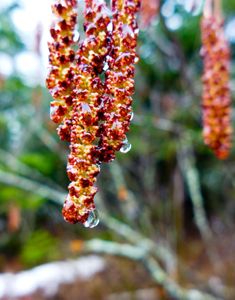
(216, 105)
(94, 113)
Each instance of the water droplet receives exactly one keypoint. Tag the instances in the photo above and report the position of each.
(93, 219)
(98, 166)
(106, 66)
(53, 110)
(116, 124)
(110, 27)
(76, 36)
(107, 11)
(126, 146)
(131, 116)
(136, 59)
(127, 30)
(85, 108)
(136, 31)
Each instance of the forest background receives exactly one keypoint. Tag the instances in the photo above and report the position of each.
(166, 208)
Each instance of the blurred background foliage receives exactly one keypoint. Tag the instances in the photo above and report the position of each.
(169, 193)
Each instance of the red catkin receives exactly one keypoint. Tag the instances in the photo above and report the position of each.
(83, 166)
(216, 102)
(93, 113)
(119, 80)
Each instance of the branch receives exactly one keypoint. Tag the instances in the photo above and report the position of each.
(186, 162)
(141, 251)
(120, 228)
(159, 123)
(161, 252)
(16, 165)
(116, 249)
(50, 142)
(31, 186)
(157, 273)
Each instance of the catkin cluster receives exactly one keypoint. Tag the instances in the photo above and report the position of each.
(91, 82)
(216, 105)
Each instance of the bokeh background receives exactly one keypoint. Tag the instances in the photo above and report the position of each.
(167, 208)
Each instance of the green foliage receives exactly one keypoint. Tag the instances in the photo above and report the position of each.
(41, 246)
(39, 161)
(10, 40)
(23, 199)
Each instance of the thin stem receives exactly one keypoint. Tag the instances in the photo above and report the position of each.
(50, 142)
(218, 10)
(187, 164)
(207, 10)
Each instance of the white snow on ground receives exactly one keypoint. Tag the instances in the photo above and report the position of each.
(49, 277)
